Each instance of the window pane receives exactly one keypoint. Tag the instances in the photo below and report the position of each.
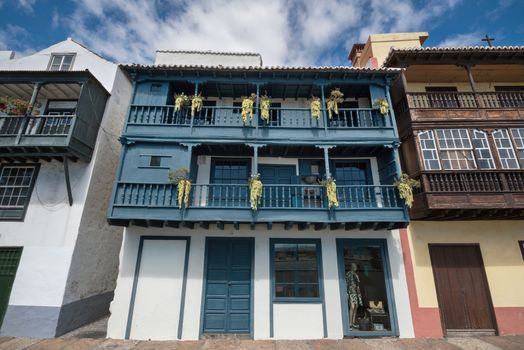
(155, 161)
(429, 151)
(482, 150)
(15, 183)
(518, 138)
(505, 149)
(456, 150)
(296, 270)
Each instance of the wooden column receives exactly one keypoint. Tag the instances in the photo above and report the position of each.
(254, 164)
(257, 103)
(28, 111)
(323, 109)
(473, 86)
(192, 117)
(326, 161)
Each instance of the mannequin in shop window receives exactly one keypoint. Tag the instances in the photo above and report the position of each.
(354, 296)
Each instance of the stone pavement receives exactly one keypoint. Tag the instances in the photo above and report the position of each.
(480, 343)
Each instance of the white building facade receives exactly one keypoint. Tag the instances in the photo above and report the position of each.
(294, 268)
(58, 155)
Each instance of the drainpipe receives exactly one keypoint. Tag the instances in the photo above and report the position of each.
(68, 181)
(326, 161)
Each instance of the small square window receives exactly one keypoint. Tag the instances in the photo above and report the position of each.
(155, 161)
(156, 87)
(62, 62)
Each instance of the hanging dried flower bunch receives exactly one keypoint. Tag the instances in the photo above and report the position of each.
(335, 97)
(315, 107)
(196, 104)
(247, 107)
(180, 101)
(255, 191)
(180, 177)
(331, 189)
(265, 103)
(405, 186)
(383, 105)
(13, 106)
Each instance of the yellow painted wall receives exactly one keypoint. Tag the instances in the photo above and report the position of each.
(500, 251)
(379, 45)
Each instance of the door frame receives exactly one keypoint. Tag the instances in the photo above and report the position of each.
(382, 243)
(204, 283)
(484, 279)
(135, 282)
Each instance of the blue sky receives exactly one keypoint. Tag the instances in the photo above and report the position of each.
(285, 32)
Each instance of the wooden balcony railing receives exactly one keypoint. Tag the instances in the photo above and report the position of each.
(465, 100)
(273, 197)
(479, 181)
(41, 125)
(279, 117)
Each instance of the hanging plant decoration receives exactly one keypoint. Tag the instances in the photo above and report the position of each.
(315, 107)
(180, 177)
(13, 106)
(405, 186)
(247, 107)
(335, 97)
(265, 103)
(180, 101)
(255, 191)
(196, 104)
(383, 105)
(331, 189)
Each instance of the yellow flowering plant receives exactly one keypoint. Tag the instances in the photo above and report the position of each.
(265, 103)
(196, 104)
(255, 191)
(383, 105)
(335, 97)
(331, 190)
(247, 107)
(315, 107)
(180, 101)
(180, 177)
(405, 186)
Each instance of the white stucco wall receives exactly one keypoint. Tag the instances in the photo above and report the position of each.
(312, 326)
(52, 230)
(207, 58)
(94, 266)
(101, 68)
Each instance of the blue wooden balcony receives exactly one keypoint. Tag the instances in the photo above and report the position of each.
(293, 124)
(360, 207)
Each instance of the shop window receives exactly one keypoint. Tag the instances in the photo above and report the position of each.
(367, 287)
(16, 186)
(296, 269)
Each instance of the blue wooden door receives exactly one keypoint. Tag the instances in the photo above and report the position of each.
(278, 196)
(228, 291)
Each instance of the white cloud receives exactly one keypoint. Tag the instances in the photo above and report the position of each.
(288, 32)
(26, 5)
(464, 39)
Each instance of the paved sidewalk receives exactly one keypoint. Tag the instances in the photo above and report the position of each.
(480, 343)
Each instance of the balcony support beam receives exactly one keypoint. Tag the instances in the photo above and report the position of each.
(68, 181)
(326, 161)
(473, 85)
(192, 116)
(257, 103)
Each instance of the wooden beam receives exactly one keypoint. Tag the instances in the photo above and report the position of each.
(236, 225)
(288, 225)
(320, 226)
(205, 225)
(220, 225)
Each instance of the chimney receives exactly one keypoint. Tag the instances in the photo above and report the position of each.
(373, 53)
(7, 55)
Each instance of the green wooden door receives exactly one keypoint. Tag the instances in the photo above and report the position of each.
(9, 259)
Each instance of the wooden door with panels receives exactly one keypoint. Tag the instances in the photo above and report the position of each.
(462, 289)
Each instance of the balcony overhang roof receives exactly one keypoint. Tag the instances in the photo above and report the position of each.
(46, 76)
(265, 73)
(403, 57)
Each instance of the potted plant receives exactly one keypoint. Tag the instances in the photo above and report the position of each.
(383, 106)
(180, 177)
(265, 103)
(196, 104)
(247, 107)
(405, 186)
(331, 190)
(255, 191)
(315, 107)
(335, 97)
(180, 101)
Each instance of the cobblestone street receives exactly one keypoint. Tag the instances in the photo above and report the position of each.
(480, 343)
